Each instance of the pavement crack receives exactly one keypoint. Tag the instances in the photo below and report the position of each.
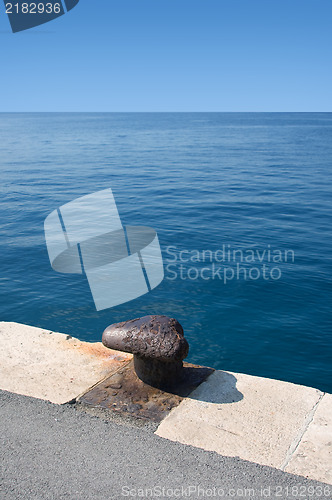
(298, 438)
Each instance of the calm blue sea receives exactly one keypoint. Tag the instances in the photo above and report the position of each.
(250, 182)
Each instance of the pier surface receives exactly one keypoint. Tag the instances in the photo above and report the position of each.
(233, 431)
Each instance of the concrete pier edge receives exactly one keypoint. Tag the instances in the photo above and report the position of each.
(265, 421)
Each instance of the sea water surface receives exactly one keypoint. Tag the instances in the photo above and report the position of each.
(254, 182)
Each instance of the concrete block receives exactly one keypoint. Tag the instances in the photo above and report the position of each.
(52, 366)
(256, 419)
(313, 456)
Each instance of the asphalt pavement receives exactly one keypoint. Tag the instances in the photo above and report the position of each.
(53, 451)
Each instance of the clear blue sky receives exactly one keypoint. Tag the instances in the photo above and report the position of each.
(172, 55)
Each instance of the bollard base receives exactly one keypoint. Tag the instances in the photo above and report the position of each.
(125, 393)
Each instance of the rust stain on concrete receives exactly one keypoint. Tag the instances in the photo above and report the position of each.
(97, 350)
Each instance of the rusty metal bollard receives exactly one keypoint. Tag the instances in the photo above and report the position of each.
(158, 346)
